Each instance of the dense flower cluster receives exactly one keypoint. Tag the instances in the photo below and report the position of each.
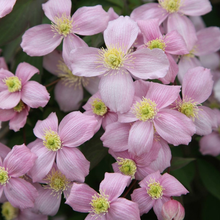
(147, 84)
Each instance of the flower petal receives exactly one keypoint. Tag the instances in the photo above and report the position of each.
(6, 7)
(9, 99)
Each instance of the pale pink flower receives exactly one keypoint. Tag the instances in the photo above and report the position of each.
(150, 113)
(209, 144)
(59, 143)
(117, 63)
(173, 210)
(43, 39)
(95, 106)
(6, 7)
(69, 90)
(17, 163)
(196, 88)
(16, 89)
(157, 189)
(104, 205)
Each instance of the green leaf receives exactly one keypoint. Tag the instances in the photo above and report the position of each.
(179, 162)
(210, 177)
(21, 17)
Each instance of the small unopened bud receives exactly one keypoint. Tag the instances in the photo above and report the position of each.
(173, 210)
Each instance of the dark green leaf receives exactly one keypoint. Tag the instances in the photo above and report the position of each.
(179, 162)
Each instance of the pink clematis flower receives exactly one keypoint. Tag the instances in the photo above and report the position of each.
(17, 163)
(69, 90)
(59, 143)
(157, 189)
(117, 63)
(104, 205)
(6, 7)
(43, 39)
(16, 90)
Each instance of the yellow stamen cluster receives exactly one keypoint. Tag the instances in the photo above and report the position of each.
(127, 166)
(157, 43)
(13, 84)
(189, 108)
(191, 53)
(19, 107)
(170, 5)
(155, 190)
(99, 107)
(63, 25)
(3, 176)
(145, 109)
(52, 140)
(100, 204)
(8, 211)
(112, 57)
(57, 182)
(68, 78)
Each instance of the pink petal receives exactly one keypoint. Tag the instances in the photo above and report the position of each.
(40, 40)
(84, 62)
(175, 44)
(34, 94)
(80, 197)
(209, 144)
(148, 64)
(195, 7)
(158, 207)
(7, 114)
(109, 119)
(19, 161)
(113, 185)
(46, 203)
(117, 89)
(9, 99)
(172, 187)
(19, 120)
(116, 136)
(123, 209)
(144, 201)
(68, 97)
(51, 122)
(170, 124)
(25, 71)
(20, 193)
(3, 64)
(208, 41)
(117, 35)
(150, 29)
(56, 8)
(76, 128)
(210, 61)
(196, 80)
(85, 20)
(6, 7)
(93, 84)
(4, 150)
(141, 87)
(140, 137)
(184, 26)
(72, 163)
(149, 11)
(162, 95)
(3, 75)
(43, 163)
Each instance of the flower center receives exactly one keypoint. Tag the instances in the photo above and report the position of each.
(112, 57)
(8, 211)
(100, 204)
(19, 107)
(68, 79)
(145, 109)
(3, 176)
(155, 190)
(170, 5)
(99, 107)
(57, 181)
(189, 109)
(127, 166)
(191, 53)
(157, 43)
(13, 84)
(52, 140)
(63, 25)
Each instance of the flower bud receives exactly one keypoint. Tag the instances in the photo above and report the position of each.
(173, 210)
